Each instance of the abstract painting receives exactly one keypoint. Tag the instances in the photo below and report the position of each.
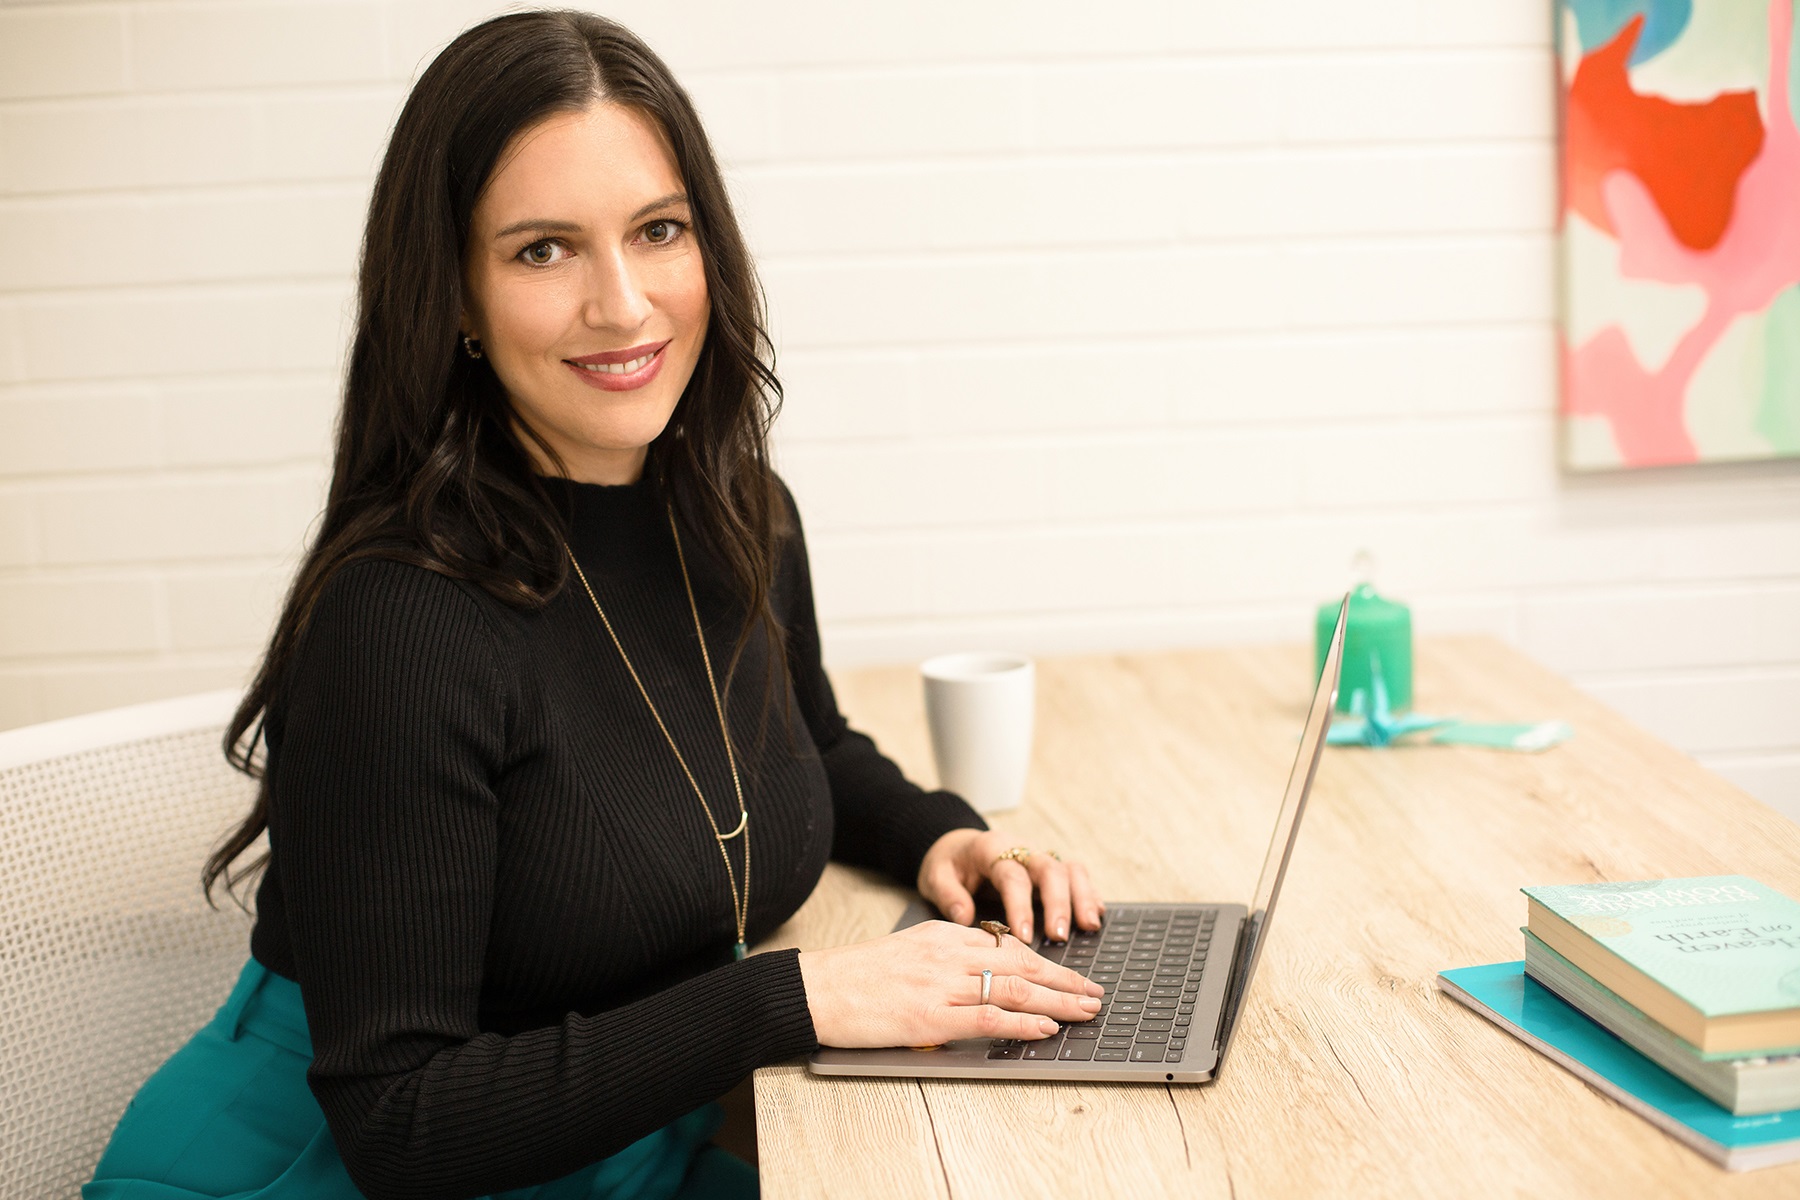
(1680, 231)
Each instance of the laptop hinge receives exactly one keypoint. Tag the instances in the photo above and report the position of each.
(1234, 991)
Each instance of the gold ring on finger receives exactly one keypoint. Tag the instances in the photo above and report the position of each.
(1017, 854)
(987, 985)
(999, 929)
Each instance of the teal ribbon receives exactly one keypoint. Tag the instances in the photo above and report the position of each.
(1372, 723)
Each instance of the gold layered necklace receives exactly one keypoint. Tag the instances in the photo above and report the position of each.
(740, 901)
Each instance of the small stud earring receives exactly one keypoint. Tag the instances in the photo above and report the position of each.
(471, 346)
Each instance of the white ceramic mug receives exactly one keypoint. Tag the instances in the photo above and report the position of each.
(980, 709)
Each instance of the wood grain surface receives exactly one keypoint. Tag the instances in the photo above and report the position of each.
(1350, 1075)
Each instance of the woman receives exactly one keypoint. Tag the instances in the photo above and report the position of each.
(547, 738)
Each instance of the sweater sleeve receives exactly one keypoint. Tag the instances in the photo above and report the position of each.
(883, 820)
(383, 825)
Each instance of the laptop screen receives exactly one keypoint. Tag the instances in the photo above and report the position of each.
(1281, 843)
(1306, 762)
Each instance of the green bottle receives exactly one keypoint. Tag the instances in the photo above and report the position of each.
(1379, 632)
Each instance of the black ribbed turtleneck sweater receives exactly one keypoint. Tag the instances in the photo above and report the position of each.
(505, 909)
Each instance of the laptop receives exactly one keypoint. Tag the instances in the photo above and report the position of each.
(1175, 974)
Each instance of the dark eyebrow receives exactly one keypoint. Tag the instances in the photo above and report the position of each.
(537, 226)
(660, 202)
(540, 226)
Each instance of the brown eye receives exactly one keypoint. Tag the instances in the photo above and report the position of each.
(540, 254)
(661, 233)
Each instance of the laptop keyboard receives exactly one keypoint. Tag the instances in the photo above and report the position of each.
(1150, 961)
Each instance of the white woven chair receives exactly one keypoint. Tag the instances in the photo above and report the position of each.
(110, 958)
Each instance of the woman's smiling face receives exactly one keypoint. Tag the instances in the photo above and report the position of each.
(584, 283)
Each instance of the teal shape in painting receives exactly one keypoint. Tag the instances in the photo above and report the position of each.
(1599, 21)
(1778, 415)
(1794, 68)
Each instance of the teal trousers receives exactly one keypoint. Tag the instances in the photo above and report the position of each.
(230, 1115)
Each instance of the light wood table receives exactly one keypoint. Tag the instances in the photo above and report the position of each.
(1351, 1074)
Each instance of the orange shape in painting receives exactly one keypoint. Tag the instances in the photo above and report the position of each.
(1688, 155)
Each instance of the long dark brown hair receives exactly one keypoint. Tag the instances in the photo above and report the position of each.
(428, 466)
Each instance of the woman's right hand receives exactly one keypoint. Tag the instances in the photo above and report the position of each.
(922, 987)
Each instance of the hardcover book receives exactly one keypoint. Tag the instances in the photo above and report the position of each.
(1742, 1083)
(1715, 960)
(1511, 999)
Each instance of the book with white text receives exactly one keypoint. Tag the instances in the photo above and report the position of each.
(1714, 960)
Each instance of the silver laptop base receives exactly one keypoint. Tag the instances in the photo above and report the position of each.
(1199, 1056)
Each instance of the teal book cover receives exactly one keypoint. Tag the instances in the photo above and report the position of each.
(1505, 995)
(1724, 943)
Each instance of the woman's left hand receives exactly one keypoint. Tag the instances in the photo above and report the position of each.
(958, 862)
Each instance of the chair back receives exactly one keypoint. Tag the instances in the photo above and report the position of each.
(110, 958)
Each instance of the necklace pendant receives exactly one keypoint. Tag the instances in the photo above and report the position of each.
(743, 824)
(739, 951)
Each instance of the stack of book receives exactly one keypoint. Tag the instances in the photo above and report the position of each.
(1678, 997)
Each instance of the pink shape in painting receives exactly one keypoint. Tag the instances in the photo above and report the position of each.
(1757, 258)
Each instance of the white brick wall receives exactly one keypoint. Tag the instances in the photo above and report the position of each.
(1100, 330)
